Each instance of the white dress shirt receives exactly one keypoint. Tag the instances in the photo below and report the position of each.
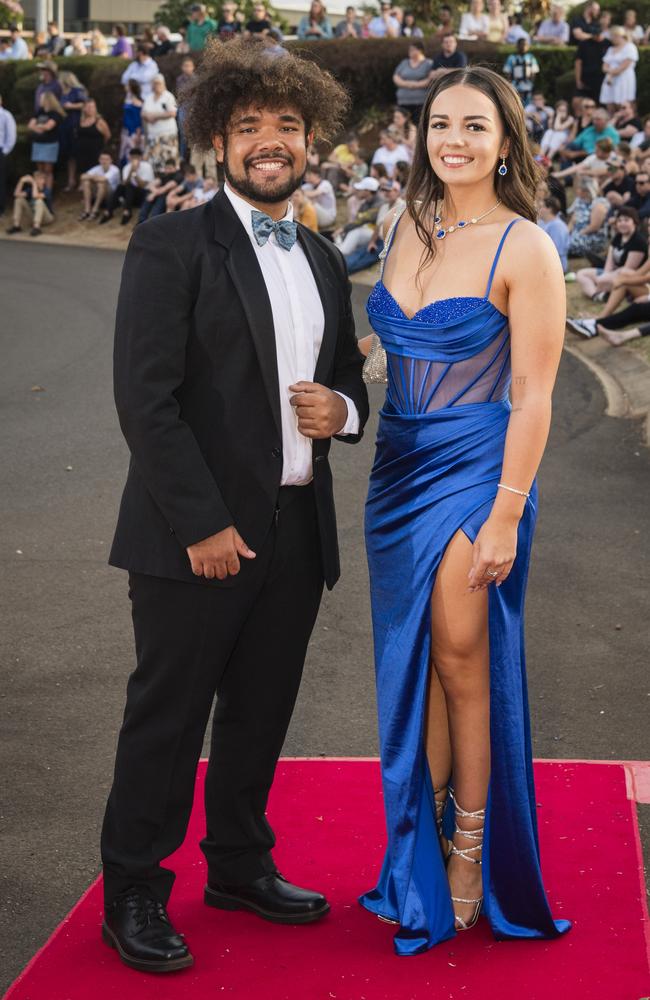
(298, 321)
(143, 72)
(7, 131)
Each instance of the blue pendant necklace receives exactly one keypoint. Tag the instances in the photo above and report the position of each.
(442, 231)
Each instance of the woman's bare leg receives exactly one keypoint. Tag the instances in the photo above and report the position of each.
(460, 651)
(586, 278)
(618, 295)
(437, 742)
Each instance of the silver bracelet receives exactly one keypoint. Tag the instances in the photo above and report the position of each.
(521, 493)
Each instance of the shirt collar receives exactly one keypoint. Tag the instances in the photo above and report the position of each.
(244, 210)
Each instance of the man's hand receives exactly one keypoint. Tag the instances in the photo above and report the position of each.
(321, 412)
(218, 555)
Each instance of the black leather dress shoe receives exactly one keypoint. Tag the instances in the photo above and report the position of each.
(270, 897)
(139, 928)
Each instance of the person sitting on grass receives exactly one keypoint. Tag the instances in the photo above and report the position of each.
(617, 337)
(304, 211)
(32, 196)
(558, 131)
(391, 150)
(554, 226)
(588, 222)
(183, 193)
(628, 284)
(98, 185)
(137, 174)
(612, 327)
(539, 116)
(585, 141)
(367, 255)
(342, 164)
(356, 233)
(619, 185)
(628, 249)
(640, 197)
(165, 181)
(641, 140)
(321, 193)
(205, 191)
(596, 164)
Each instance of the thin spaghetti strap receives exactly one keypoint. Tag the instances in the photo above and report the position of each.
(498, 254)
(389, 240)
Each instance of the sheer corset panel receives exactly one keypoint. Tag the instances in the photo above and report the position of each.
(452, 352)
(419, 386)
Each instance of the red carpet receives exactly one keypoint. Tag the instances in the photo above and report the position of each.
(329, 820)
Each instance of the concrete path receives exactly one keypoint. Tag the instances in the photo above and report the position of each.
(65, 640)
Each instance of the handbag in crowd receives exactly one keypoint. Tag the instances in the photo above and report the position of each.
(375, 367)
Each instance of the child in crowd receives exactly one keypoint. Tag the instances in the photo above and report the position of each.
(98, 185)
(182, 194)
(555, 227)
(303, 210)
(204, 192)
(558, 131)
(32, 197)
(596, 164)
(321, 193)
(137, 175)
(166, 180)
(539, 116)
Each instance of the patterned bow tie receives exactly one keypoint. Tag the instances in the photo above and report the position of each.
(263, 225)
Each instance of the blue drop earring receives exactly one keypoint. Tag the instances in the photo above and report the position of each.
(503, 170)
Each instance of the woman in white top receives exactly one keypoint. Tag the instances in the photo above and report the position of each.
(497, 23)
(161, 129)
(474, 23)
(619, 67)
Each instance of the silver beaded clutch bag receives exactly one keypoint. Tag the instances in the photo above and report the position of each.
(375, 368)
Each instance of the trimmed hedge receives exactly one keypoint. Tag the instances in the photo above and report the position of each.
(365, 67)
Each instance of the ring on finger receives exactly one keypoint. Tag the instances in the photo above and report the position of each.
(491, 573)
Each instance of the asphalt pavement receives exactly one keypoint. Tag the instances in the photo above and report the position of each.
(65, 636)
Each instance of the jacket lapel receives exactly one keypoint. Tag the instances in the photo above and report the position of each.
(244, 270)
(327, 289)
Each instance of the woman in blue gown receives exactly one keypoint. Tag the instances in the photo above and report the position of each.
(470, 310)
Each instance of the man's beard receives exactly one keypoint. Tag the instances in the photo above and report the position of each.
(265, 194)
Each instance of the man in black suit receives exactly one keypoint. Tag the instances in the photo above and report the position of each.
(235, 364)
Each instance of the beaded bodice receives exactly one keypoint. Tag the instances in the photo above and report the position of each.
(451, 352)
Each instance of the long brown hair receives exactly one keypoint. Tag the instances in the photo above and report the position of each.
(50, 102)
(516, 190)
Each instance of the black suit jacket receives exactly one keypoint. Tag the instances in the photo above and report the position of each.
(197, 393)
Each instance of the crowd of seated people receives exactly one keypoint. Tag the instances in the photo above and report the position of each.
(599, 161)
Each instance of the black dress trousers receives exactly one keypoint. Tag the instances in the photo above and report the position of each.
(247, 644)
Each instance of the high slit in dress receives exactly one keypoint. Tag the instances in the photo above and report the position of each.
(439, 455)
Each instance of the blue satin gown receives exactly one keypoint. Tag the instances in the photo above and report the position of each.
(439, 454)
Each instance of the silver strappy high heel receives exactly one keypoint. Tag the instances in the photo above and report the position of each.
(466, 854)
(440, 811)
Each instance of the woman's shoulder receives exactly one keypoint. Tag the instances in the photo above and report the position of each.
(527, 244)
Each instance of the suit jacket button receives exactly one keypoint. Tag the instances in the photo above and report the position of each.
(276, 452)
